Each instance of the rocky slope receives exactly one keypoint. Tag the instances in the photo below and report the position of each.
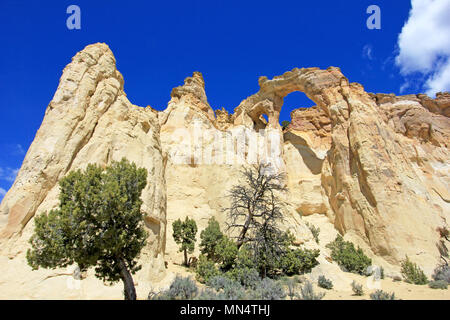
(373, 167)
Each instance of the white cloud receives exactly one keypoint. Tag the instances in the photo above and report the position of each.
(19, 149)
(2, 193)
(8, 174)
(367, 52)
(424, 44)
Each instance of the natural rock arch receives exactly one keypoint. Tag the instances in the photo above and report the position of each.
(321, 86)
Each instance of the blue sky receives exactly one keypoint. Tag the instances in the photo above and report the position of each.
(159, 43)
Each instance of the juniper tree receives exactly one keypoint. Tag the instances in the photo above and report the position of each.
(210, 238)
(98, 224)
(184, 235)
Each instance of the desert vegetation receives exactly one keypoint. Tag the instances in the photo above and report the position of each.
(255, 246)
(98, 224)
(348, 257)
(184, 235)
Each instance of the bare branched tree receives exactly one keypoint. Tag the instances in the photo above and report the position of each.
(255, 213)
(255, 208)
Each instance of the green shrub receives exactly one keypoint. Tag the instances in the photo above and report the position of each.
(381, 295)
(307, 292)
(325, 283)
(442, 272)
(381, 272)
(412, 273)
(206, 269)
(226, 252)
(314, 230)
(348, 257)
(285, 124)
(438, 284)
(268, 289)
(357, 288)
(210, 237)
(245, 258)
(299, 261)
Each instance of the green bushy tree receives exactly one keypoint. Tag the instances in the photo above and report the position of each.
(98, 224)
(210, 237)
(226, 252)
(184, 235)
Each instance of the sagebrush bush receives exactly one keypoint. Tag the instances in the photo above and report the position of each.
(325, 283)
(348, 257)
(438, 284)
(412, 273)
(268, 289)
(234, 291)
(299, 261)
(182, 288)
(381, 295)
(206, 269)
(247, 277)
(218, 282)
(357, 288)
(291, 285)
(314, 230)
(228, 288)
(307, 292)
(210, 294)
(442, 272)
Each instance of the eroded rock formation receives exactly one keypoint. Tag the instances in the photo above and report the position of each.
(373, 167)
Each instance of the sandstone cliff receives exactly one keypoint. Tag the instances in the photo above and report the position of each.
(373, 167)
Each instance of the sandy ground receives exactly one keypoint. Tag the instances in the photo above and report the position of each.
(402, 290)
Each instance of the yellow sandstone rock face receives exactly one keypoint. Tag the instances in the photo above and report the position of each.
(374, 167)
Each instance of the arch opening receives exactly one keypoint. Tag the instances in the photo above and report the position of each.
(292, 101)
(260, 122)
